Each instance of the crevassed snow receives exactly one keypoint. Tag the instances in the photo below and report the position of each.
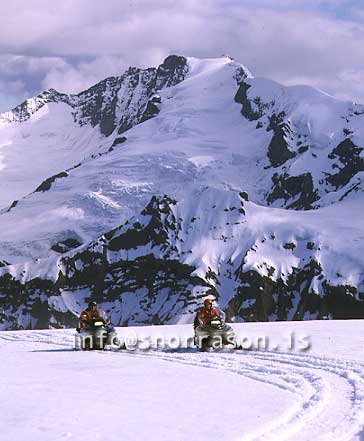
(46, 144)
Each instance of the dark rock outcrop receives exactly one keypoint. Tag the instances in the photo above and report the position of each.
(47, 184)
(117, 141)
(260, 298)
(171, 72)
(298, 191)
(347, 153)
(65, 245)
(122, 102)
(278, 149)
(247, 110)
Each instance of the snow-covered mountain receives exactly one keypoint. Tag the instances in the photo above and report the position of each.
(151, 189)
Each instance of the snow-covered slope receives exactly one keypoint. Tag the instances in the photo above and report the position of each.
(316, 148)
(42, 135)
(150, 189)
(53, 392)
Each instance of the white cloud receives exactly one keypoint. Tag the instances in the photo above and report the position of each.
(75, 43)
(73, 79)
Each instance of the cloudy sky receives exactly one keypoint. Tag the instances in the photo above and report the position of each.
(72, 44)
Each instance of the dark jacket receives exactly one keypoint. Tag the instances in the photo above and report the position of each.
(88, 315)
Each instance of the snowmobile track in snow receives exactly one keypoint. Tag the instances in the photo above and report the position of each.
(329, 393)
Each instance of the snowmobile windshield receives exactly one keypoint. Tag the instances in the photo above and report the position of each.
(102, 315)
(221, 314)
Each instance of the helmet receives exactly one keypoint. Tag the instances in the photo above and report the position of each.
(91, 304)
(207, 302)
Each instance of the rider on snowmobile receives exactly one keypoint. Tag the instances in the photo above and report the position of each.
(207, 312)
(88, 319)
(91, 313)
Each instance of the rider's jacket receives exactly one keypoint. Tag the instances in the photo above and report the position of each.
(205, 315)
(88, 315)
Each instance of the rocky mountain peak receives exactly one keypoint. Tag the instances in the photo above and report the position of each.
(114, 102)
(149, 221)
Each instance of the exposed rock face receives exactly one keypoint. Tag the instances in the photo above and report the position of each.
(247, 110)
(139, 273)
(116, 102)
(261, 299)
(65, 245)
(278, 151)
(29, 305)
(47, 184)
(347, 153)
(171, 72)
(298, 190)
(25, 110)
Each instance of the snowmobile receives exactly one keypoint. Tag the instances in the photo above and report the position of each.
(98, 335)
(215, 334)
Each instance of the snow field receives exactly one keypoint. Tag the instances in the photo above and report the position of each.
(55, 393)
